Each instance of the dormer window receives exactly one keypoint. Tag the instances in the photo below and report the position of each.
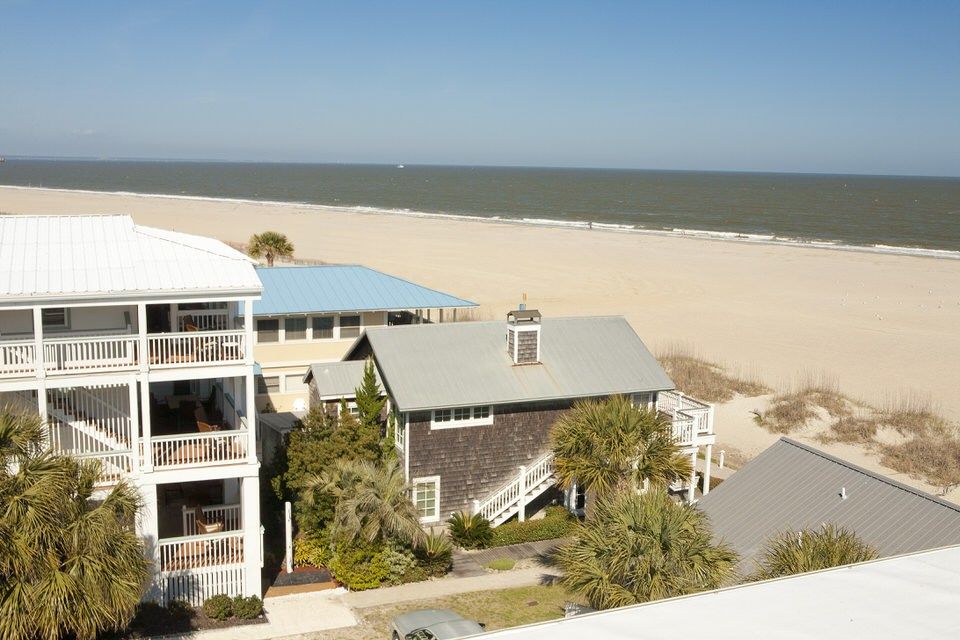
(461, 417)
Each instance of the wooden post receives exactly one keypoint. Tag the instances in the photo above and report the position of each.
(691, 492)
(521, 512)
(288, 527)
(706, 470)
(476, 507)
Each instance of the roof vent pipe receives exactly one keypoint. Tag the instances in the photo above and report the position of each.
(843, 493)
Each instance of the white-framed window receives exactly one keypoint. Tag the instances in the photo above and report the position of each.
(400, 431)
(642, 400)
(426, 497)
(294, 329)
(293, 383)
(55, 318)
(461, 417)
(268, 330)
(322, 327)
(350, 326)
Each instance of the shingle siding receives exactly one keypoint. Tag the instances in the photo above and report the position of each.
(527, 347)
(473, 461)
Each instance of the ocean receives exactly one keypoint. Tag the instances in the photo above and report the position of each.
(882, 213)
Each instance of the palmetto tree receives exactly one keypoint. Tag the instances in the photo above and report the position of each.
(610, 444)
(69, 566)
(372, 502)
(789, 553)
(642, 547)
(269, 245)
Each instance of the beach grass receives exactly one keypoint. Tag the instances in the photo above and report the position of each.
(706, 380)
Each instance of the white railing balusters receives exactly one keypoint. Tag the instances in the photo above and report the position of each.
(509, 495)
(690, 417)
(16, 358)
(204, 319)
(193, 568)
(228, 514)
(196, 347)
(199, 449)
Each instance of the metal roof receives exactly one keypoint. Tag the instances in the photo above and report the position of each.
(793, 487)
(332, 288)
(428, 366)
(68, 257)
(911, 596)
(338, 379)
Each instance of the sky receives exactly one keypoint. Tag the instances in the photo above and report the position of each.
(833, 87)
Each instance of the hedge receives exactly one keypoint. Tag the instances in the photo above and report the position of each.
(557, 523)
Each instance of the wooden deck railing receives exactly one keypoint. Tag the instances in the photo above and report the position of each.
(198, 449)
(196, 348)
(90, 353)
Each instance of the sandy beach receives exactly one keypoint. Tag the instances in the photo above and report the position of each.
(882, 327)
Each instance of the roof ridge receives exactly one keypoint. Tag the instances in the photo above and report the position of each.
(146, 231)
(876, 476)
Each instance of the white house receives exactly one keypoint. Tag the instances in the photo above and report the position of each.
(135, 345)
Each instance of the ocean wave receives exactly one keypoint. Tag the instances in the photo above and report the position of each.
(700, 234)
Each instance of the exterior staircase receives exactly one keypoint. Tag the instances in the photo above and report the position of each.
(512, 497)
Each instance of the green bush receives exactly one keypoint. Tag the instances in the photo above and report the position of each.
(399, 562)
(358, 566)
(557, 523)
(311, 549)
(218, 607)
(247, 608)
(469, 532)
(152, 619)
(501, 564)
(436, 554)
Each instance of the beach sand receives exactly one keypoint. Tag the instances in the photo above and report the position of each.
(881, 327)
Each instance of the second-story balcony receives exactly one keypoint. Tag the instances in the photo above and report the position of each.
(202, 338)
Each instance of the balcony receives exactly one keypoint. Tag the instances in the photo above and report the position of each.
(691, 419)
(69, 354)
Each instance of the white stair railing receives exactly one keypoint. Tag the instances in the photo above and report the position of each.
(534, 479)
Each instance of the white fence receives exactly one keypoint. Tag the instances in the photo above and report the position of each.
(193, 449)
(193, 568)
(196, 347)
(16, 358)
(228, 514)
(197, 585)
(203, 319)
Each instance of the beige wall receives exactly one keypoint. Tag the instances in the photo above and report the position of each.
(291, 388)
(300, 352)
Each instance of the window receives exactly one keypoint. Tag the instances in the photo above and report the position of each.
(295, 329)
(426, 497)
(294, 384)
(349, 326)
(461, 417)
(400, 431)
(322, 328)
(642, 400)
(56, 318)
(268, 384)
(268, 331)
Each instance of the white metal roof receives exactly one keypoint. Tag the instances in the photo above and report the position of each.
(913, 596)
(68, 257)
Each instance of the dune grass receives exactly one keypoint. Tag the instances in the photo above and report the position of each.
(705, 380)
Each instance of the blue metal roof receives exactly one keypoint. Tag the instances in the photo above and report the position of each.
(332, 288)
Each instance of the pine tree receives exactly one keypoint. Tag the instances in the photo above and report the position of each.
(370, 400)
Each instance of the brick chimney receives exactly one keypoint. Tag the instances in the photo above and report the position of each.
(523, 336)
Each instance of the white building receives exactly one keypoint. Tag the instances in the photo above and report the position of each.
(135, 345)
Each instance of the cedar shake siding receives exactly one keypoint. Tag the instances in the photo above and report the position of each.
(473, 461)
(527, 347)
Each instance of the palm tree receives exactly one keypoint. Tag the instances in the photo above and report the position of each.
(788, 553)
(69, 566)
(643, 547)
(372, 502)
(270, 245)
(611, 444)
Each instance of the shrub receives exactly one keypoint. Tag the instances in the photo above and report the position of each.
(359, 567)
(501, 564)
(399, 562)
(435, 555)
(312, 549)
(706, 380)
(218, 607)
(557, 523)
(152, 619)
(469, 532)
(247, 608)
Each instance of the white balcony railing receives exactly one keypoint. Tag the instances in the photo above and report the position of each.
(16, 358)
(89, 353)
(198, 449)
(196, 348)
(195, 552)
(226, 514)
(203, 319)
(193, 568)
(691, 418)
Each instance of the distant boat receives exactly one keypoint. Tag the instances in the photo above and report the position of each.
(2, 160)
(399, 166)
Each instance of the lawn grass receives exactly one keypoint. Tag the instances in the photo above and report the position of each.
(501, 564)
(498, 609)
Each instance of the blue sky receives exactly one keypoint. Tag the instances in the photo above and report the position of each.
(808, 86)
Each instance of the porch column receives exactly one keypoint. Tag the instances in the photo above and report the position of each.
(691, 492)
(148, 531)
(39, 362)
(134, 409)
(142, 333)
(252, 552)
(251, 415)
(144, 408)
(174, 321)
(706, 470)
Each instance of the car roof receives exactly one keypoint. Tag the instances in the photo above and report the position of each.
(455, 629)
(426, 617)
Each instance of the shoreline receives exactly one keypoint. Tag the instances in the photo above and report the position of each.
(699, 234)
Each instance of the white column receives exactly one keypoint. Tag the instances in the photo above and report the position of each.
(134, 408)
(522, 479)
(706, 470)
(38, 359)
(248, 330)
(691, 492)
(148, 530)
(144, 408)
(142, 333)
(251, 415)
(250, 510)
(174, 323)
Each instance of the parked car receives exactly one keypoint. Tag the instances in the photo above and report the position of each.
(433, 624)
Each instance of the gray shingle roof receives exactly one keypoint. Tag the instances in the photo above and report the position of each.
(337, 379)
(460, 364)
(792, 487)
